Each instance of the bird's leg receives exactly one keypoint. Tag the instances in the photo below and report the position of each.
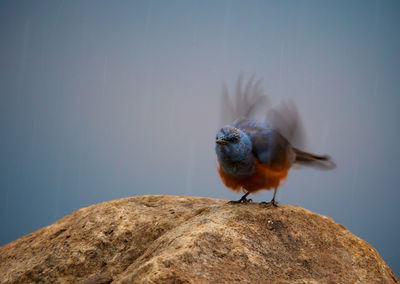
(272, 202)
(243, 199)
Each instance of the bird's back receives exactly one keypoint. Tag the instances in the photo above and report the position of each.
(269, 147)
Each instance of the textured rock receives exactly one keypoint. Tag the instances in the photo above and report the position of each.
(170, 239)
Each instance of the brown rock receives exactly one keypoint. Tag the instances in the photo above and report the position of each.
(170, 239)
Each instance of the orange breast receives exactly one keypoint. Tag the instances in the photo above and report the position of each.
(264, 177)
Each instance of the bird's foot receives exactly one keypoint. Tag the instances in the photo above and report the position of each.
(241, 200)
(271, 203)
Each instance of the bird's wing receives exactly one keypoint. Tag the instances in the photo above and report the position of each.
(245, 101)
(285, 118)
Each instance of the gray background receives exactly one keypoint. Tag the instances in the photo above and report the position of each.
(107, 99)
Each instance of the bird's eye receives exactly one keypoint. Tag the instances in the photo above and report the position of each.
(235, 139)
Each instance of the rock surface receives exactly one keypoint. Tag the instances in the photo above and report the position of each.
(170, 239)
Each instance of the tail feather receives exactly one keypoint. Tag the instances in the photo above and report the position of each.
(323, 162)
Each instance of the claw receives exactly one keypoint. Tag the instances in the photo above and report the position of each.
(271, 203)
(240, 201)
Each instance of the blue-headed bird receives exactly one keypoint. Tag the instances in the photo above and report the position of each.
(254, 155)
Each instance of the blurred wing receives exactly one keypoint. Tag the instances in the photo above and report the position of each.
(286, 120)
(246, 100)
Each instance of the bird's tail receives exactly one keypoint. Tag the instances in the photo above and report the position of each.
(323, 162)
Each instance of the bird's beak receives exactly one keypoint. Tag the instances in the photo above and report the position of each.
(221, 141)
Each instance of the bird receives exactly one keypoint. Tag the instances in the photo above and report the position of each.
(254, 155)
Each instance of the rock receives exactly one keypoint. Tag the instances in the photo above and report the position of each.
(170, 239)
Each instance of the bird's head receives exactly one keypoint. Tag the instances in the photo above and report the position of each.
(232, 143)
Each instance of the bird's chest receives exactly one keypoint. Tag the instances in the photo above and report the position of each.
(238, 169)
